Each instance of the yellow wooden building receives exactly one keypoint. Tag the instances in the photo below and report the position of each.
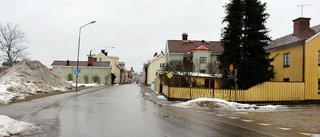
(297, 57)
(115, 67)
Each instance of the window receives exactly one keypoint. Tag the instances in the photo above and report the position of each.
(286, 79)
(100, 59)
(286, 60)
(318, 57)
(203, 60)
(202, 71)
(209, 83)
(162, 65)
(318, 86)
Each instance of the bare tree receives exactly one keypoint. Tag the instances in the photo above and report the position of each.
(11, 43)
(182, 72)
(213, 68)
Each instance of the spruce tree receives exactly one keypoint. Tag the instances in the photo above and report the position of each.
(244, 39)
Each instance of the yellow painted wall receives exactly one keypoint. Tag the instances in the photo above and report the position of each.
(201, 81)
(312, 70)
(114, 67)
(294, 71)
(153, 67)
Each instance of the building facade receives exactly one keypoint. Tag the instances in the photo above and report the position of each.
(116, 69)
(90, 71)
(199, 53)
(151, 67)
(297, 57)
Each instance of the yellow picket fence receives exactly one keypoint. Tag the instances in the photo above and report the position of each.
(267, 91)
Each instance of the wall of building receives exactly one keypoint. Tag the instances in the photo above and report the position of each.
(295, 71)
(176, 57)
(312, 70)
(196, 60)
(114, 67)
(64, 71)
(153, 68)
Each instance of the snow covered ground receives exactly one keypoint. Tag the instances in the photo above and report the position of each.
(10, 126)
(214, 103)
(28, 78)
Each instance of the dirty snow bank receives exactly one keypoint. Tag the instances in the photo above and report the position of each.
(161, 97)
(214, 103)
(28, 78)
(10, 126)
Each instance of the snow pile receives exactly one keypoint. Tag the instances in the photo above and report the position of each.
(28, 78)
(161, 97)
(10, 126)
(214, 103)
(6, 97)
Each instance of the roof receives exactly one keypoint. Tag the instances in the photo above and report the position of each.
(81, 63)
(201, 48)
(179, 46)
(292, 40)
(153, 59)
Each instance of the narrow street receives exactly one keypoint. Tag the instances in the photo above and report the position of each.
(123, 111)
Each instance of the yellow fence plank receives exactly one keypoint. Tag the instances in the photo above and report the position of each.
(267, 91)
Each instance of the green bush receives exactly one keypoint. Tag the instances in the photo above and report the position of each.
(107, 78)
(96, 79)
(70, 77)
(86, 79)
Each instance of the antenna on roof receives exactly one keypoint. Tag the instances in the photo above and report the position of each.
(303, 5)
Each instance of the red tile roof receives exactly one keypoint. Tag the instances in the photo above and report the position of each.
(202, 47)
(179, 46)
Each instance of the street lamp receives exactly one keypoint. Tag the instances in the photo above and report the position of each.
(110, 47)
(77, 70)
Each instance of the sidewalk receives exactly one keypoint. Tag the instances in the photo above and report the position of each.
(154, 96)
(23, 109)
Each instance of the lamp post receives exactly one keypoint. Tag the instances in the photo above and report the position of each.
(110, 47)
(77, 70)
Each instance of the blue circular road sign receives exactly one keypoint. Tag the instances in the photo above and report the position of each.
(77, 71)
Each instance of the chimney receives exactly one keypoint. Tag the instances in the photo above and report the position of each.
(68, 62)
(203, 42)
(300, 25)
(104, 52)
(94, 59)
(90, 61)
(184, 36)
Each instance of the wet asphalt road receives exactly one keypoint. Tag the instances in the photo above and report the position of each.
(123, 111)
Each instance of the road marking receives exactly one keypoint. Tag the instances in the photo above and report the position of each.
(264, 124)
(233, 117)
(283, 128)
(220, 115)
(247, 120)
(306, 134)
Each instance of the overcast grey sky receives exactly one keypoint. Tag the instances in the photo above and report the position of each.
(137, 28)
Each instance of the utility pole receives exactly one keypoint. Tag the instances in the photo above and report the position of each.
(303, 5)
